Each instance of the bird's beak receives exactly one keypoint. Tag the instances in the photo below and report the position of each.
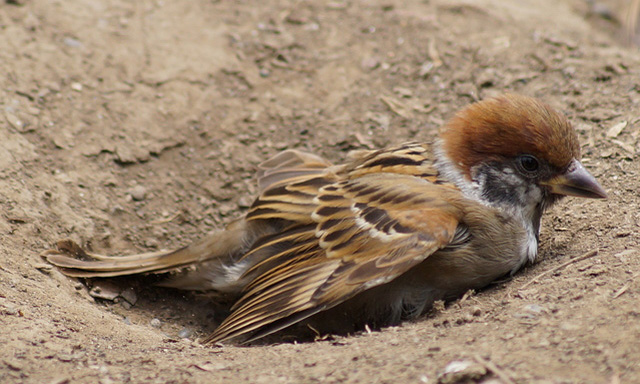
(576, 181)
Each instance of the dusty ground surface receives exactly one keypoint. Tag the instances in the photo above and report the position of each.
(134, 126)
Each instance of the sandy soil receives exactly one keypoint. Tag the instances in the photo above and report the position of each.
(133, 126)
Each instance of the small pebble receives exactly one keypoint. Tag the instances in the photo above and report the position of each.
(567, 326)
(10, 310)
(71, 42)
(370, 63)
(104, 291)
(245, 202)
(533, 308)
(185, 333)
(156, 323)
(129, 295)
(76, 87)
(14, 121)
(13, 364)
(65, 357)
(462, 371)
(138, 193)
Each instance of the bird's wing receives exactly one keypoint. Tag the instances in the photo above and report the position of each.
(286, 166)
(360, 232)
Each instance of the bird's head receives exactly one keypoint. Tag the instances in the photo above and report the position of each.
(511, 143)
(517, 154)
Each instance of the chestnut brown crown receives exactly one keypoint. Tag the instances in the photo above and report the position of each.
(507, 126)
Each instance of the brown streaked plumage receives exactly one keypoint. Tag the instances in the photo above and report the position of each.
(381, 237)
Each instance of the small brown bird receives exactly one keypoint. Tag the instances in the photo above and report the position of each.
(379, 238)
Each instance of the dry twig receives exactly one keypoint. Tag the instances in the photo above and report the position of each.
(494, 368)
(624, 288)
(584, 256)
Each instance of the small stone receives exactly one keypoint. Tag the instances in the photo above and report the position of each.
(383, 120)
(10, 310)
(225, 209)
(476, 311)
(370, 63)
(615, 130)
(151, 243)
(462, 371)
(76, 87)
(567, 326)
(65, 357)
(487, 78)
(125, 154)
(138, 193)
(14, 121)
(155, 322)
(508, 336)
(105, 291)
(245, 202)
(71, 42)
(185, 333)
(606, 153)
(569, 71)
(425, 69)
(264, 72)
(13, 365)
(129, 296)
(533, 308)
(281, 146)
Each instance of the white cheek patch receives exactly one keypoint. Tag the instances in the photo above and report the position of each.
(451, 172)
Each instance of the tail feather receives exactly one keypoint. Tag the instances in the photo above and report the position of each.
(65, 258)
(76, 262)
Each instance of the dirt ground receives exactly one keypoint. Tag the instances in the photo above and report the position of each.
(133, 126)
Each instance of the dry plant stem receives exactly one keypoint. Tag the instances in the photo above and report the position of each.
(559, 267)
(624, 288)
(493, 368)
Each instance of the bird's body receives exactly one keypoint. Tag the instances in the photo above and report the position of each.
(381, 237)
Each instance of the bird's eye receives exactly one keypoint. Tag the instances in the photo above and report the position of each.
(529, 163)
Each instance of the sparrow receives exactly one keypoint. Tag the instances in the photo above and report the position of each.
(378, 239)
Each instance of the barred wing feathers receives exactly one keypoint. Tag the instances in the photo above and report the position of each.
(350, 228)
